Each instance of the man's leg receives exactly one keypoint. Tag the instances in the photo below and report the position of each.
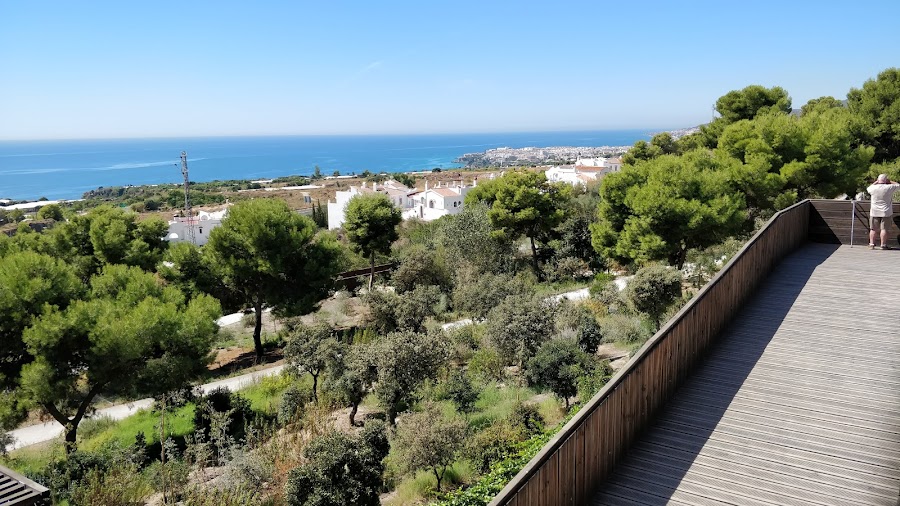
(872, 225)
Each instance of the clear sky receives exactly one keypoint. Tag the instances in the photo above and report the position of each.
(94, 69)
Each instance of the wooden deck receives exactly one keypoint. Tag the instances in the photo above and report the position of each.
(798, 404)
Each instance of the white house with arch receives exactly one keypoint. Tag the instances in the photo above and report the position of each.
(202, 224)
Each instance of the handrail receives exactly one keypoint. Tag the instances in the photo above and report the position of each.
(582, 454)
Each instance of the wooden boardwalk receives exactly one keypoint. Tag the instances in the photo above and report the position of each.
(798, 403)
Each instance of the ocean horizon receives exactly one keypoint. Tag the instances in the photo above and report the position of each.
(65, 169)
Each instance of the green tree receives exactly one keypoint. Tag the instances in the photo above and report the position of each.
(429, 440)
(652, 290)
(131, 335)
(522, 203)
(877, 103)
(270, 255)
(371, 224)
(309, 349)
(187, 268)
(461, 391)
(403, 360)
(820, 103)
(420, 266)
(340, 469)
(659, 209)
(317, 173)
(34, 285)
(557, 366)
(116, 237)
(350, 375)
(751, 101)
(50, 212)
(517, 326)
(468, 239)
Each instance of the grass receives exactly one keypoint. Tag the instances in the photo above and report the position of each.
(33, 459)
(414, 489)
(496, 402)
(265, 394)
(179, 423)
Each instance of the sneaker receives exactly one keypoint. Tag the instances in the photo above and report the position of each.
(871, 246)
(885, 246)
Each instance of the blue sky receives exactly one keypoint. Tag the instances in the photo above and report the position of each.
(191, 68)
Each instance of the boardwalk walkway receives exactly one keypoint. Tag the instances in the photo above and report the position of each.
(798, 404)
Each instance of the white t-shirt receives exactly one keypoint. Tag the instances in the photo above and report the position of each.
(882, 195)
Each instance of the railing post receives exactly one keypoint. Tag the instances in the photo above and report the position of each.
(852, 219)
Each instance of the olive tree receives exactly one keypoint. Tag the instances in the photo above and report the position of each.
(429, 440)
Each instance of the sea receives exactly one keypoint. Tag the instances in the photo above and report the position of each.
(65, 169)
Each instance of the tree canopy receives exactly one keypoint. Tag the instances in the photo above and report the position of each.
(272, 256)
(371, 224)
(661, 208)
(522, 203)
(129, 335)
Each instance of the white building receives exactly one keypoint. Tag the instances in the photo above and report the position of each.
(432, 203)
(203, 223)
(395, 192)
(584, 171)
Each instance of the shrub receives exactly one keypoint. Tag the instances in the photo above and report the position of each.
(487, 365)
(496, 442)
(623, 329)
(652, 290)
(117, 486)
(517, 327)
(477, 295)
(430, 441)
(340, 469)
(461, 392)
(526, 417)
(292, 402)
(170, 479)
(557, 366)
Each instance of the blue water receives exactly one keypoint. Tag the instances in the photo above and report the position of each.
(66, 169)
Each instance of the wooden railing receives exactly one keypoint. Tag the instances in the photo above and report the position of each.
(846, 222)
(571, 466)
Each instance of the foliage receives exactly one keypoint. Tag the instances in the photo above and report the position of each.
(420, 266)
(659, 209)
(429, 440)
(371, 224)
(403, 360)
(625, 329)
(877, 104)
(350, 376)
(581, 321)
(221, 419)
(404, 179)
(50, 212)
(487, 364)
(461, 391)
(557, 366)
(517, 326)
(593, 380)
(116, 486)
(292, 401)
(652, 290)
(309, 349)
(752, 101)
(526, 417)
(270, 255)
(131, 335)
(340, 469)
(477, 295)
(522, 203)
(41, 285)
(491, 444)
(468, 240)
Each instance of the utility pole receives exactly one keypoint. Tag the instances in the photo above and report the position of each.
(187, 201)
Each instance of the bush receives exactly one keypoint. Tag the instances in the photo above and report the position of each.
(221, 419)
(527, 418)
(487, 365)
(477, 295)
(420, 267)
(293, 400)
(652, 290)
(595, 379)
(517, 326)
(557, 366)
(170, 479)
(340, 469)
(118, 486)
(496, 442)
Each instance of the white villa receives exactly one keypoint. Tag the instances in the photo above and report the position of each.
(428, 204)
(396, 192)
(432, 203)
(584, 171)
(203, 223)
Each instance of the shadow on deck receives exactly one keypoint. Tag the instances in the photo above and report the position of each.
(796, 404)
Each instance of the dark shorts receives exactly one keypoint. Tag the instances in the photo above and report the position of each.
(879, 222)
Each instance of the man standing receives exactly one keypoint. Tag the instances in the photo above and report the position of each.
(882, 192)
